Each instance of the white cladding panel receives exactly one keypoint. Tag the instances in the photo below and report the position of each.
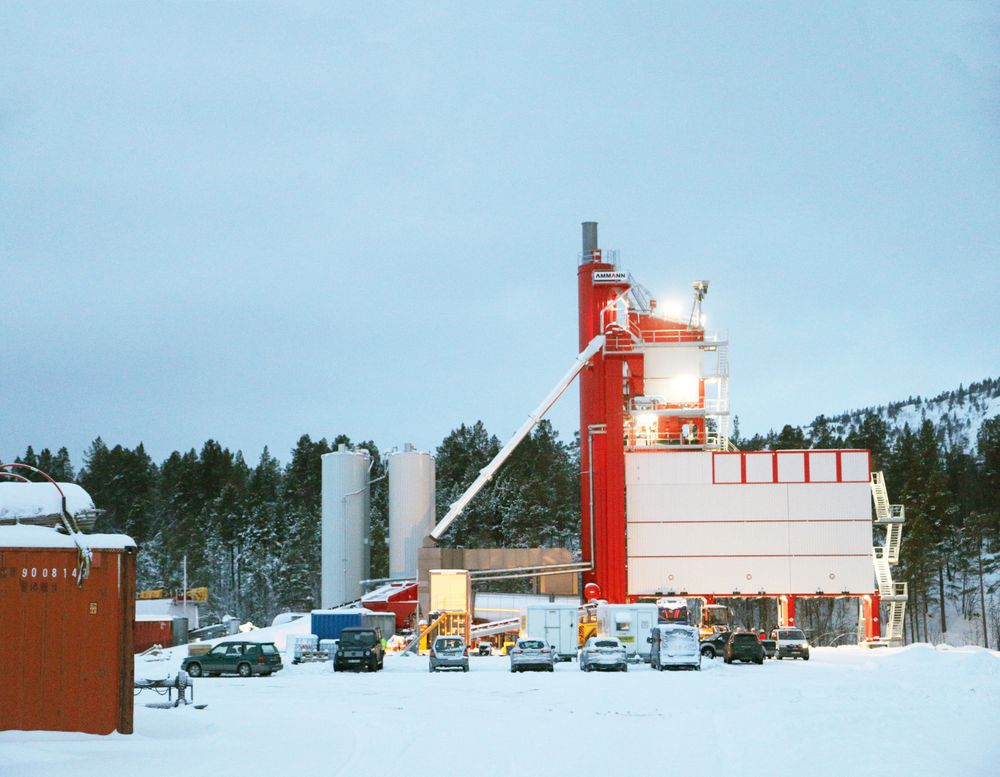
(822, 467)
(792, 467)
(698, 575)
(699, 502)
(760, 468)
(679, 467)
(829, 501)
(702, 537)
(344, 545)
(411, 509)
(712, 539)
(854, 465)
(672, 373)
(729, 468)
(853, 574)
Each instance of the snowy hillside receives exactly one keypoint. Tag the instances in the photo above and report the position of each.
(957, 415)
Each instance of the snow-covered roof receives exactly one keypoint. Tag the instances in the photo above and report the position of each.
(20, 536)
(35, 500)
(347, 610)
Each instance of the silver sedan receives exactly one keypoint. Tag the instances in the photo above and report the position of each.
(603, 653)
(531, 653)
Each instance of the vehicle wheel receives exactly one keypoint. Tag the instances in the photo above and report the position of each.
(624, 667)
(778, 657)
(759, 661)
(552, 669)
(708, 652)
(465, 669)
(194, 670)
(244, 670)
(805, 657)
(698, 668)
(381, 663)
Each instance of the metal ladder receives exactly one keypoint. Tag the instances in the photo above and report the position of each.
(886, 556)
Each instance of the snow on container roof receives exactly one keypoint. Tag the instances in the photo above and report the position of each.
(37, 500)
(18, 536)
(346, 611)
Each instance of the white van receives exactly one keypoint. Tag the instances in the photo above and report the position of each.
(630, 623)
(673, 645)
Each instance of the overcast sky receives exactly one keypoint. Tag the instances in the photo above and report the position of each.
(250, 221)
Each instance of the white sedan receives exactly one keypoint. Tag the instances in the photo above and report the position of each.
(603, 653)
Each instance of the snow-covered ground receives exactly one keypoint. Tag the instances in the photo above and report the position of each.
(911, 711)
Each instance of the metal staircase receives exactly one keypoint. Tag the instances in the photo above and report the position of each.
(891, 517)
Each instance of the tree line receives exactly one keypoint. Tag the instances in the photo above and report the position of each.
(252, 533)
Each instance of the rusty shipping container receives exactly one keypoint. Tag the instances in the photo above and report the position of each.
(66, 649)
(152, 630)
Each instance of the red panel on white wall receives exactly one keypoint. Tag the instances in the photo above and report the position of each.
(822, 467)
(791, 467)
(855, 466)
(760, 467)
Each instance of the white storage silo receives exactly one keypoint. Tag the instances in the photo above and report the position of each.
(345, 549)
(411, 508)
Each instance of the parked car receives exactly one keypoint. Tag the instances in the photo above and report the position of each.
(242, 658)
(715, 645)
(674, 645)
(531, 653)
(449, 653)
(791, 643)
(770, 648)
(486, 648)
(744, 646)
(603, 653)
(360, 648)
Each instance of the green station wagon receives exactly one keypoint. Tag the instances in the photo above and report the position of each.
(242, 658)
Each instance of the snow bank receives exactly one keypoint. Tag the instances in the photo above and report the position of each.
(18, 536)
(34, 500)
(923, 658)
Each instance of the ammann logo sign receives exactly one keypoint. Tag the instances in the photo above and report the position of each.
(610, 276)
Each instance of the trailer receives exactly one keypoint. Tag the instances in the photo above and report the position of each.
(557, 625)
(630, 623)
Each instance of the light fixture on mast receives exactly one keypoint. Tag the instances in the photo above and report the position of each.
(700, 292)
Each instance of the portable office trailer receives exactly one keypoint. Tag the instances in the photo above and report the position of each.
(631, 623)
(557, 625)
(66, 644)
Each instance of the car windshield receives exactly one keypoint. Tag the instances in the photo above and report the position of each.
(357, 639)
(606, 643)
(791, 634)
(449, 644)
(532, 644)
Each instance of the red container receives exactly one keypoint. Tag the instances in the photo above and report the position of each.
(397, 598)
(152, 631)
(66, 650)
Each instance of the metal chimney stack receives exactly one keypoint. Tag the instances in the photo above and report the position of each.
(589, 240)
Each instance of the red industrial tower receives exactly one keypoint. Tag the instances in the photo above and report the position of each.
(670, 507)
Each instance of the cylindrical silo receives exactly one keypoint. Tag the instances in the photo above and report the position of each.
(411, 508)
(345, 557)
